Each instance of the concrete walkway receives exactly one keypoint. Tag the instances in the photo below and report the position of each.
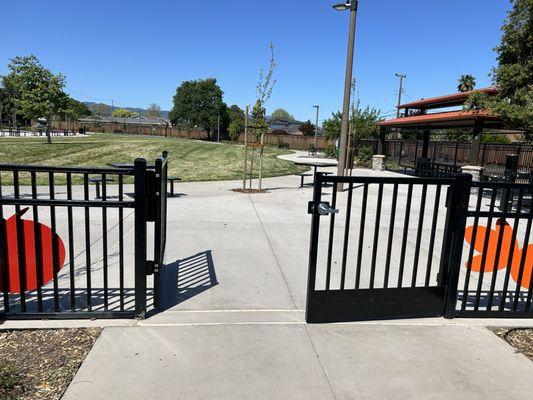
(293, 361)
(233, 322)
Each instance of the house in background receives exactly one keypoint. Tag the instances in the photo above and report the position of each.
(283, 127)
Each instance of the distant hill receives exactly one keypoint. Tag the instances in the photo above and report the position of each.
(106, 109)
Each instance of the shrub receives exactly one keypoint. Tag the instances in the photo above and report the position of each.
(282, 144)
(364, 155)
(495, 139)
(331, 151)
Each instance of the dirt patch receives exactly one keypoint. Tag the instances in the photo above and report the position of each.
(520, 338)
(39, 364)
(250, 191)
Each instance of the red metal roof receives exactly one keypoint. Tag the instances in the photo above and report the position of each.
(446, 101)
(438, 118)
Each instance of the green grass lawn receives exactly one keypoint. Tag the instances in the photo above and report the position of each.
(192, 160)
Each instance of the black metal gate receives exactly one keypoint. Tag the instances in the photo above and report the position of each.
(382, 271)
(496, 269)
(66, 249)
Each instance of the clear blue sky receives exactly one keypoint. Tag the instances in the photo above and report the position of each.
(138, 52)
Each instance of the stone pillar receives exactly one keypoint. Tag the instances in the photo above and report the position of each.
(473, 170)
(378, 162)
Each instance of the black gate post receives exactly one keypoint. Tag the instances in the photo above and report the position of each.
(458, 207)
(313, 244)
(161, 168)
(140, 236)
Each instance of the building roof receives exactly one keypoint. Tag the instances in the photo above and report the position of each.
(291, 127)
(449, 100)
(452, 119)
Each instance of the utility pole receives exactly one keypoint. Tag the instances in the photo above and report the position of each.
(352, 6)
(218, 131)
(112, 120)
(351, 130)
(400, 91)
(316, 125)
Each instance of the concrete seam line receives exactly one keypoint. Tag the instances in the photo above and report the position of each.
(232, 311)
(223, 323)
(274, 254)
(320, 362)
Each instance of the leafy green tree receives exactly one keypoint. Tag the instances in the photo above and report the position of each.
(332, 126)
(281, 114)
(236, 122)
(74, 109)
(8, 111)
(495, 139)
(265, 85)
(307, 128)
(453, 135)
(514, 74)
(198, 104)
(123, 113)
(467, 83)
(364, 124)
(153, 111)
(36, 91)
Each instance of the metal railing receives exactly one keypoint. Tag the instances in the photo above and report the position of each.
(413, 247)
(64, 252)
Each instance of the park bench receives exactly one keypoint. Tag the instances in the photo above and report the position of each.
(97, 181)
(172, 179)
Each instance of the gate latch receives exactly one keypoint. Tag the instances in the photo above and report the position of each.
(151, 267)
(321, 208)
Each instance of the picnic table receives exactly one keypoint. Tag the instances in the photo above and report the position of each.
(315, 165)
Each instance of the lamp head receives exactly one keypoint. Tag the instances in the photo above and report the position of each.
(349, 5)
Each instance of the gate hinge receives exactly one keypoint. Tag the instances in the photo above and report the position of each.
(320, 208)
(151, 267)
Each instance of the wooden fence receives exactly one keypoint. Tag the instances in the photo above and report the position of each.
(295, 142)
(131, 129)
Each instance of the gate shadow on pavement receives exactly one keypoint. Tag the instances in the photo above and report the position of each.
(186, 278)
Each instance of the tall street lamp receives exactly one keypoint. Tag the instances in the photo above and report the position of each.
(316, 125)
(352, 6)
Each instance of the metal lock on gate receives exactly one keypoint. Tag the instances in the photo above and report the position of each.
(321, 208)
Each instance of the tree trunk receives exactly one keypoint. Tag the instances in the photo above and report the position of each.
(48, 134)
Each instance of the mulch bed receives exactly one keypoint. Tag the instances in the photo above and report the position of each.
(39, 364)
(520, 338)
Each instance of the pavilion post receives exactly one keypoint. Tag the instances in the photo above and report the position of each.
(381, 140)
(476, 142)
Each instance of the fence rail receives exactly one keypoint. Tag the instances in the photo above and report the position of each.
(65, 249)
(492, 156)
(497, 269)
